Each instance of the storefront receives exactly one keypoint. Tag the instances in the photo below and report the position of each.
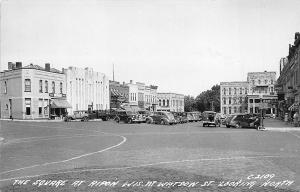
(58, 108)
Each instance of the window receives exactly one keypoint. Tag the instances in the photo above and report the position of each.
(271, 81)
(61, 87)
(240, 109)
(168, 102)
(46, 86)
(164, 102)
(27, 85)
(259, 81)
(46, 112)
(40, 107)
(241, 100)
(5, 87)
(272, 89)
(41, 86)
(234, 100)
(229, 110)
(53, 87)
(229, 91)
(27, 106)
(224, 100)
(159, 101)
(266, 81)
(235, 91)
(224, 110)
(241, 91)
(229, 101)
(224, 91)
(246, 91)
(234, 109)
(253, 82)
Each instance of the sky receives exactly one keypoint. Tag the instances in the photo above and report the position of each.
(182, 46)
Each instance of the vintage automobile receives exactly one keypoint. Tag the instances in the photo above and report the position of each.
(161, 117)
(244, 120)
(82, 115)
(127, 117)
(196, 115)
(144, 114)
(190, 116)
(209, 118)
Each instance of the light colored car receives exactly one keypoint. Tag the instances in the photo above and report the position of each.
(83, 115)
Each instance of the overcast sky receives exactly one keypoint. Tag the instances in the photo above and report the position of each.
(182, 46)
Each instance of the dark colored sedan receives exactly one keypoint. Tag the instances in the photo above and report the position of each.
(161, 117)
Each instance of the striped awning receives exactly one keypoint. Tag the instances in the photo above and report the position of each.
(60, 103)
(294, 107)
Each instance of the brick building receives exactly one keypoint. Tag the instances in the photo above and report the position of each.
(170, 102)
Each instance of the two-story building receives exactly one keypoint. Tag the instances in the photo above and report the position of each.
(170, 102)
(32, 92)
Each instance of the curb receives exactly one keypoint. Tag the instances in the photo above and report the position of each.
(284, 129)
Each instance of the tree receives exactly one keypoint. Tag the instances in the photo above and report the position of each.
(209, 100)
(189, 103)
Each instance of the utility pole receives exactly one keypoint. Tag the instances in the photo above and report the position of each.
(113, 72)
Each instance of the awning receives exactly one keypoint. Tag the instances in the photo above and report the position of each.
(115, 92)
(60, 103)
(294, 107)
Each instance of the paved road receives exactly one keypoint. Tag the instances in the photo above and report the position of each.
(141, 153)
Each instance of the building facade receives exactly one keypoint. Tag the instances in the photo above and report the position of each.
(248, 96)
(262, 90)
(233, 97)
(288, 83)
(170, 102)
(32, 92)
(119, 94)
(142, 96)
(87, 89)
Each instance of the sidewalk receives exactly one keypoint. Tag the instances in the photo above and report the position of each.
(271, 124)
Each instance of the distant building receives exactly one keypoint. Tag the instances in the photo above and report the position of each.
(170, 102)
(119, 94)
(233, 97)
(247, 96)
(87, 89)
(141, 96)
(262, 89)
(288, 83)
(32, 92)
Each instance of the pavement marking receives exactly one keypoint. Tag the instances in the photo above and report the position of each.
(33, 139)
(73, 158)
(294, 135)
(149, 164)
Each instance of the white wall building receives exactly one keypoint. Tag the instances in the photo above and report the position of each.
(170, 102)
(87, 89)
(32, 92)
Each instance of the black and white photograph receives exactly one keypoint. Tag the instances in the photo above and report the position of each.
(150, 95)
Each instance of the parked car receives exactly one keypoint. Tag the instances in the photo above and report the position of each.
(227, 120)
(197, 116)
(177, 117)
(190, 117)
(127, 117)
(245, 120)
(144, 114)
(82, 115)
(183, 117)
(209, 118)
(161, 117)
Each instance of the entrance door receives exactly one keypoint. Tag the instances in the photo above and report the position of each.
(10, 109)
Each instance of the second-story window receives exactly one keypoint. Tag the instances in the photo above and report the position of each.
(53, 87)
(46, 86)
(246, 91)
(259, 81)
(229, 100)
(235, 91)
(41, 86)
(5, 87)
(266, 81)
(229, 91)
(241, 91)
(224, 91)
(61, 87)
(27, 85)
(224, 100)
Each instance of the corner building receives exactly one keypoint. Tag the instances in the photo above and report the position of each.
(32, 92)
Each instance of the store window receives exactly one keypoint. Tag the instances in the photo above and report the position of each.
(27, 85)
(27, 106)
(40, 107)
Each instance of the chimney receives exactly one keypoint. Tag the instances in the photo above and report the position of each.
(47, 67)
(131, 81)
(18, 65)
(10, 65)
(123, 82)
